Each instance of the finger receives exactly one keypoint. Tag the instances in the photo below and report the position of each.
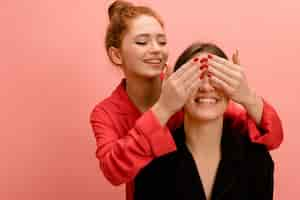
(235, 57)
(222, 85)
(222, 76)
(193, 86)
(234, 74)
(223, 61)
(168, 71)
(185, 67)
(185, 87)
(193, 78)
(186, 76)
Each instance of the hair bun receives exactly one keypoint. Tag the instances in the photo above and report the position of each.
(117, 6)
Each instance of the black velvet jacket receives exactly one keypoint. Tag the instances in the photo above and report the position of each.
(244, 172)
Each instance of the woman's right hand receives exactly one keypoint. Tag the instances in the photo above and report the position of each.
(176, 89)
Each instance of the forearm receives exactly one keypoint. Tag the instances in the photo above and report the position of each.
(254, 107)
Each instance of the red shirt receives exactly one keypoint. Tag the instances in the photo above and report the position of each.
(127, 140)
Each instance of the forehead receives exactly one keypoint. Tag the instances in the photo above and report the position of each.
(201, 54)
(145, 25)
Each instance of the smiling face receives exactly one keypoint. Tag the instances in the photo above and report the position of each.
(207, 103)
(144, 49)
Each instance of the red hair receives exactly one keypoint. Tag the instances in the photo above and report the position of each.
(121, 13)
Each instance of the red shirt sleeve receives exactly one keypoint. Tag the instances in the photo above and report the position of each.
(269, 132)
(122, 156)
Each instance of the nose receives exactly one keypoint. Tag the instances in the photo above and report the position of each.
(205, 85)
(155, 47)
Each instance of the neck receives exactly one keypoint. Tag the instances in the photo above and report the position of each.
(203, 138)
(143, 92)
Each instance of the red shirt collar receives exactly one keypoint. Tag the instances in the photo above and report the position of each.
(121, 99)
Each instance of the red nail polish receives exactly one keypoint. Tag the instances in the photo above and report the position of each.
(202, 76)
(196, 59)
(209, 56)
(162, 76)
(203, 60)
(203, 66)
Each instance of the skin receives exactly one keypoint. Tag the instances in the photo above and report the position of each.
(203, 118)
(142, 45)
(229, 76)
(144, 49)
(203, 122)
(215, 101)
(142, 57)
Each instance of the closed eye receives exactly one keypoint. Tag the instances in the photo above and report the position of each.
(141, 43)
(163, 43)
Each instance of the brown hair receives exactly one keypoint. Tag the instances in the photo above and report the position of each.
(120, 15)
(198, 47)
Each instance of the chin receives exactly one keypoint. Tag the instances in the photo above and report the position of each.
(207, 116)
(205, 112)
(151, 74)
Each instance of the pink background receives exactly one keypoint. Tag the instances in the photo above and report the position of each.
(54, 69)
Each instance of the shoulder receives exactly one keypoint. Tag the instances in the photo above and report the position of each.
(102, 108)
(111, 105)
(239, 143)
(106, 113)
(257, 156)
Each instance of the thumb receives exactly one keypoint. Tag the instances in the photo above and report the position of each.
(167, 71)
(235, 57)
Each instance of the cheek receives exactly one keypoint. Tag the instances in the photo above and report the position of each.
(130, 55)
(223, 106)
(189, 107)
(165, 52)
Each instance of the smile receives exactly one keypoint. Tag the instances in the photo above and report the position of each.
(153, 61)
(202, 100)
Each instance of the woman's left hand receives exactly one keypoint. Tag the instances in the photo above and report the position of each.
(230, 78)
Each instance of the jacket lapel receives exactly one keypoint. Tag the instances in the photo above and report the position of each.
(230, 167)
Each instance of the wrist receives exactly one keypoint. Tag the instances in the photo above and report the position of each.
(252, 100)
(254, 107)
(161, 112)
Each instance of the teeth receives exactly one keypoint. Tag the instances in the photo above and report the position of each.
(154, 61)
(206, 100)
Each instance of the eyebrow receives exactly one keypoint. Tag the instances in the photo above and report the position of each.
(147, 35)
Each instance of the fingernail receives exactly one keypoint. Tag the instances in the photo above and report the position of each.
(203, 60)
(202, 76)
(209, 74)
(203, 66)
(165, 68)
(196, 59)
(210, 56)
(162, 76)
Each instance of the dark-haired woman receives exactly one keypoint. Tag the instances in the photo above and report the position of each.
(212, 161)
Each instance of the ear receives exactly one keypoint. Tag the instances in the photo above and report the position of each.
(115, 55)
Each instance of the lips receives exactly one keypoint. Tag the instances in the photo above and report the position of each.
(206, 100)
(155, 61)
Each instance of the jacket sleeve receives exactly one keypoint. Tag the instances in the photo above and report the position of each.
(269, 132)
(121, 157)
(175, 121)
